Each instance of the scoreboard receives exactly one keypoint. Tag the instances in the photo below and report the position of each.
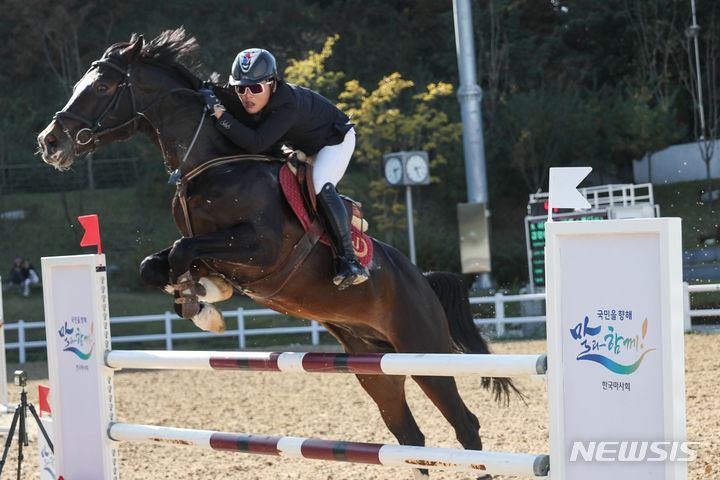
(535, 235)
(607, 202)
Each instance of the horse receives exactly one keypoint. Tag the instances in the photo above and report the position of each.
(237, 229)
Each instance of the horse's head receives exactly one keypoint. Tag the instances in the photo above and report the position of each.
(101, 109)
(118, 93)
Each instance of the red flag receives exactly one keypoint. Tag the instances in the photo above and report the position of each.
(43, 394)
(92, 231)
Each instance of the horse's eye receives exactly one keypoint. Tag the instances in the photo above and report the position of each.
(101, 88)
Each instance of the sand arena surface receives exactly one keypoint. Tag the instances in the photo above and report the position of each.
(334, 407)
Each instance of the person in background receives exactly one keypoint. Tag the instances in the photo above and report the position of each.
(29, 275)
(16, 276)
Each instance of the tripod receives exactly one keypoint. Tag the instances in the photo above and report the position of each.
(21, 414)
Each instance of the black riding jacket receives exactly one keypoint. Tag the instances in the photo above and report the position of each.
(294, 115)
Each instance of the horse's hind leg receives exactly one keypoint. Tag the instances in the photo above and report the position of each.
(388, 392)
(443, 392)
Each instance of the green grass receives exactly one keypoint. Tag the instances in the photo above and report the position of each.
(134, 222)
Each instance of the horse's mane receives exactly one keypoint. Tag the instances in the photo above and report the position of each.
(167, 49)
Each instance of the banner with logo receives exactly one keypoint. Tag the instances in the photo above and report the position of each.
(82, 395)
(615, 350)
(46, 459)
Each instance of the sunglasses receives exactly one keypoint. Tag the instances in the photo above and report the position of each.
(255, 88)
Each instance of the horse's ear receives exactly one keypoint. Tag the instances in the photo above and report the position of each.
(132, 52)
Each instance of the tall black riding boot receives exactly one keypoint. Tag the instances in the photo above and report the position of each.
(348, 269)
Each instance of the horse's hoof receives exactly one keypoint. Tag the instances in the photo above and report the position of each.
(216, 288)
(209, 318)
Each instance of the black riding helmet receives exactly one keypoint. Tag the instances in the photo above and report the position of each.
(253, 65)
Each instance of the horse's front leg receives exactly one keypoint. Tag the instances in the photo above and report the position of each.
(155, 271)
(239, 244)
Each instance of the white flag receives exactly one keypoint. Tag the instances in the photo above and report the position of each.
(563, 188)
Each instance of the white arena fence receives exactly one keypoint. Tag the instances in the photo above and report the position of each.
(168, 335)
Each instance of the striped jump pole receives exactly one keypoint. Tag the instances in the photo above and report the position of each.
(421, 364)
(514, 464)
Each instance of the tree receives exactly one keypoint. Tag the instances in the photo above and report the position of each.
(654, 24)
(539, 127)
(650, 112)
(387, 120)
(647, 125)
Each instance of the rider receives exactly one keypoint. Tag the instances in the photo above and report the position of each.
(283, 112)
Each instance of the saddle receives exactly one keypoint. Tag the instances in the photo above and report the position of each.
(297, 185)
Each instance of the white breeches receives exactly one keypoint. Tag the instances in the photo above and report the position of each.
(332, 161)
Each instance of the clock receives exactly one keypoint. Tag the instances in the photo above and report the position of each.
(417, 168)
(393, 170)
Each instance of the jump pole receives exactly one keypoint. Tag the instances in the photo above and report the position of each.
(423, 364)
(513, 464)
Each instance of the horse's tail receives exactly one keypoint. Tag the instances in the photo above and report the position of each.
(453, 296)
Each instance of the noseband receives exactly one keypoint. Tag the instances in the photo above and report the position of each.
(92, 131)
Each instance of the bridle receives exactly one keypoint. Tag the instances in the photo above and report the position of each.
(92, 131)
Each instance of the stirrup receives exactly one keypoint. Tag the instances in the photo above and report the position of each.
(350, 273)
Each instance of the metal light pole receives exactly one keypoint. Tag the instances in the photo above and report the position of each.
(469, 94)
(472, 217)
(411, 226)
(692, 32)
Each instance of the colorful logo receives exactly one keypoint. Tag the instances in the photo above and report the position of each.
(74, 339)
(360, 246)
(47, 461)
(245, 65)
(613, 349)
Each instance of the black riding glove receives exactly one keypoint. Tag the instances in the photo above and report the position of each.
(211, 101)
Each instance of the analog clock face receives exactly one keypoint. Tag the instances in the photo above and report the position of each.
(417, 169)
(393, 170)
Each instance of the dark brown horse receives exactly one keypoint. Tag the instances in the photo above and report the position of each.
(239, 229)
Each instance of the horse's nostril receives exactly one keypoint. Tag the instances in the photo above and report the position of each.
(51, 139)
